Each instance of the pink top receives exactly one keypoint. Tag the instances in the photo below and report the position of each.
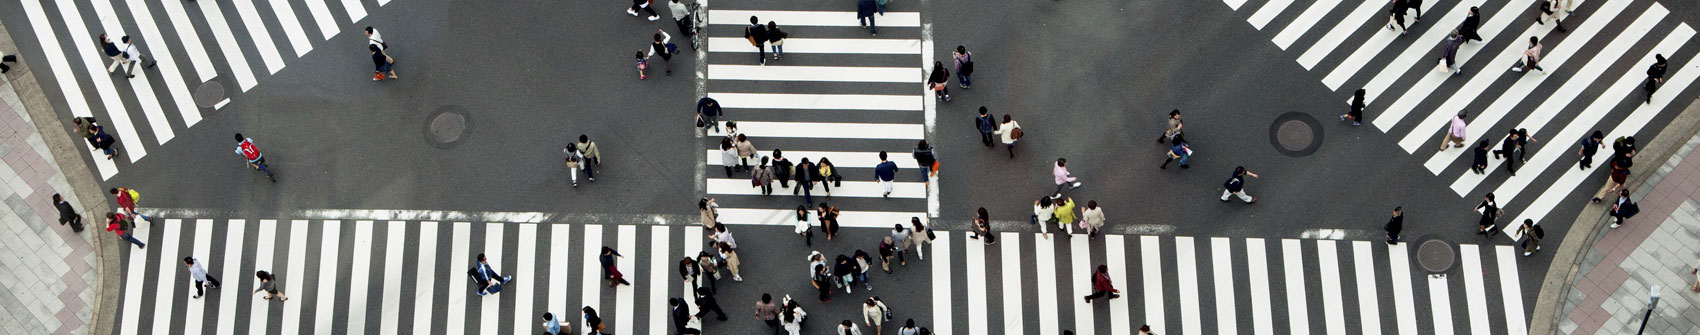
(1061, 173)
(1458, 127)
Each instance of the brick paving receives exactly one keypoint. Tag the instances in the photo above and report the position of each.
(47, 272)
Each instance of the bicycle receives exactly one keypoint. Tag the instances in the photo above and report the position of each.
(261, 165)
(697, 22)
(256, 160)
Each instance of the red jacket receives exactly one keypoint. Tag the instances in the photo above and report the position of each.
(1101, 282)
(124, 200)
(115, 227)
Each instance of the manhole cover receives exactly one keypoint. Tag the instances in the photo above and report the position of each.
(1293, 135)
(209, 94)
(446, 127)
(1435, 256)
(1296, 134)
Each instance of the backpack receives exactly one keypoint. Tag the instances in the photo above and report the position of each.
(672, 49)
(135, 197)
(967, 68)
(1628, 210)
(1539, 233)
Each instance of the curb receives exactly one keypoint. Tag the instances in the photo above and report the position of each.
(1590, 224)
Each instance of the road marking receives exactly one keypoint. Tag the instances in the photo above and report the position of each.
(560, 256)
(1475, 291)
(1234, 4)
(624, 296)
(292, 26)
(1364, 13)
(68, 86)
(167, 276)
(355, 9)
(1369, 311)
(1045, 275)
(796, 45)
(851, 189)
(1267, 13)
(359, 291)
(526, 270)
(591, 294)
(233, 271)
(1511, 289)
(186, 38)
(1151, 262)
(1440, 305)
(322, 15)
(168, 71)
(876, 131)
(1222, 260)
(459, 284)
(329, 254)
(1080, 254)
(227, 43)
(393, 278)
(1328, 261)
(114, 103)
(978, 306)
(929, 107)
(817, 101)
(1257, 268)
(941, 283)
(848, 74)
(1187, 262)
(1428, 80)
(693, 246)
(143, 89)
(492, 304)
(1404, 302)
(811, 18)
(1011, 261)
(194, 315)
(257, 33)
(1293, 258)
(1379, 42)
(840, 159)
(1303, 23)
(135, 272)
(425, 289)
(658, 261)
(259, 312)
(1115, 257)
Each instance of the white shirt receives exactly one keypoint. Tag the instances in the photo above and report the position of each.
(376, 38)
(131, 51)
(679, 10)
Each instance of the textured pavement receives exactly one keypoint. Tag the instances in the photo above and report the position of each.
(47, 270)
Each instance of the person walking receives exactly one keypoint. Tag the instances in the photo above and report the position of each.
(1548, 10)
(709, 212)
(791, 317)
(1101, 285)
(763, 177)
(487, 276)
(802, 226)
(776, 39)
(383, 66)
(886, 172)
(102, 141)
(829, 176)
(134, 56)
(746, 150)
(1532, 235)
(1394, 225)
(1092, 219)
(822, 280)
(828, 216)
(268, 284)
(1480, 160)
(592, 155)
(1065, 215)
(1449, 53)
(1623, 208)
(1044, 213)
(592, 323)
(1490, 213)
(1655, 76)
(909, 328)
(1397, 16)
(1178, 149)
(1235, 186)
(986, 126)
(964, 62)
(782, 169)
(1011, 132)
(806, 175)
(730, 255)
(705, 302)
(1506, 148)
(708, 114)
(689, 272)
(115, 224)
(844, 273)
(127, 199)
(1620, 164)
(67, 214)
(642, 64)
(861, 263)
(874, 314)
(203, 281)
(575, 160)
(1696, 273)
(865, 15)
(1590, 146)
(112, 50)
(939, 81)
(848, 328)
(900, 241)
(663, 45)
(728, 156)
(373, 37)
(644, 5)
(611, 269)
(682, 19)
(887, 250)
(1472, 24)
(1356, 114)
(1531, 57)
(1063, 178)
(756, 33)
(983, 227)
(927, 160)
(709, 268)
(1455, 131)
(768, 312)
(1174, 128)
(85, 126)
(553, 326)
(921, 234)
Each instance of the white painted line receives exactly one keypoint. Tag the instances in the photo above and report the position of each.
(624, 296)
(661, 243)
(232, 274)
(328, 260)
(1512, 290)
(1404, 301)
(359, 291)
(1581, 124)
(693, 246)
(840, 159)
(1365, 12)
(1432, 80)
(1234, 4)
(194, 315)
(1369, 306)
(560, 255)
(492, 304)
(292, 27)
(591, 294)
(930, 115)
(168, 71)
(1303, 23)
(1080, 256)
(1151, 261)
(811, 18)
(1562, 187)
(265, 241)
(1440, 305)
(1187, 263)
(874, 131)
(257, 32)
(1222, 263)
(136, 272)
(941, 284)
(322, 15)
(165, 287)
(1380, 41)
(847, 74)
(1470, 257)
(1328, 261)
(1297, 313)
(297, 272)
(186, 38)
(227, 43)
(795, 45)
(1045, 274)
(1423, 51)
(143, 89)
(393, 278)
(852, 189)
(1115, 257)
(1257, 274)
(1526, 81)
(95, 64)
(817, 101)
(68, 86)
(1268, 12)
(355, 9)
(1011, 261)
(978, 306)
(221, 103)
(525, 270)
(460, 288)
(425, 287)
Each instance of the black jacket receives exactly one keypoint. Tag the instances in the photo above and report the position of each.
(1470, 25)
(806, 173)
(1395, 224)
(705, 109)
(782, 169)
(66, 213)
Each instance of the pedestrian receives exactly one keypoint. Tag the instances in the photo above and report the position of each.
(1508, 147)
(1178, 149)
(1063, 177)
(204, 281)
(806, 175)
(1235, 186)
(815, 258)
(986, 126)
(1480, 161)
(1101, 284)
(642, 64)
(885, 172)
(1531, 57)
(127, 199)
(865, 15)
(881, 6)
(709, 268)
(1415, 5)
(67, 214)
(964, 62)
(829, 176)
(1532, 235)
(1397, 16)
(728, 156)
(663, 45)
(887, 249)
(763, 177)
(828, 216)
(592, 155)
(927, 160)
(1449, 54)
(102, 141)
(709, 212)
(862, 263)
(112, 50)
(730, 255)
(1011, 132)
(1620, 164)
(689, 271)
(822, 280)
(802, 226)
(768, 312)
(1523, 140)
(874, 314)
(756, 33)
(776, 39)
(383, 66)
(611, 269)
(938, 81)
(1590, 146)
(268, 284)
(553, 326)
(1394, 225)
(708, 114)
(644, 5)
(85, 126)
(5, 58)
(1455, 131)
(1623, 208)
(1696, 273)
(844, 273)
(575, 160)
(1065, 215)
(782, 169)
(921, 234)
(492, 281)
(135, 56)
(115, 224)
(791, 317)
(1549, 11)
(908, 328)
(1174, 128)
(682, 19)
(705, 302)
(1092, 219)
(983, 227)
(1356, 114)
(1490, 213)
(900, 241)
(848, 328)
(375, 38)
(746, 150)
(1655, 76)
(592, 323)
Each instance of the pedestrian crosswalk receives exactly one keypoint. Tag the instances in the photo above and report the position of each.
(146, 111)
(1593, 80)
(838, 93)
(408, 277)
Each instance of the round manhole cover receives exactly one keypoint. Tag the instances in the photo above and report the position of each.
(1435, 256)
(446, 127)
(1296, 134)
(1293, 135)
(209, 94)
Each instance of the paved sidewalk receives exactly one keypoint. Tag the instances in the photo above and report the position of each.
(47, 271)
(1658, 247)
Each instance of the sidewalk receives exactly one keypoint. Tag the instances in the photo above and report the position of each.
(1610, 288)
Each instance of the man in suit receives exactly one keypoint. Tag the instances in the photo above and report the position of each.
(67, 214)
(487, 275)
(1394, 225)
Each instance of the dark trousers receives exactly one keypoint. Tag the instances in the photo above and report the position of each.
(807, 187)
(702, 310)
(775, 325)
(1652, 86)
(1392, 237)
(986, 138)
(1096, 294)
(1470, 35)
(646, 9)
(825, 291)
(200, 287)
(1587, 162)
(761, 52)
(590, 167)
(785, 181)
(767, 189)
(685, 24)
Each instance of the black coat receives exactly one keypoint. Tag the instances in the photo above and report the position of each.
(1470, 25)
(1395, 224)
(66, 213)
(806, 173)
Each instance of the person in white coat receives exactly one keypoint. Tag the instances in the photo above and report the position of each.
(1092, 218)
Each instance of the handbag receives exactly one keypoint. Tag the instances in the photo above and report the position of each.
(1016, 133)
(700, 122)
(930, 235)
(1033, 220)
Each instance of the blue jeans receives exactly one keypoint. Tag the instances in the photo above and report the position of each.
(778, 50)
(962, 78)
(132, 239)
